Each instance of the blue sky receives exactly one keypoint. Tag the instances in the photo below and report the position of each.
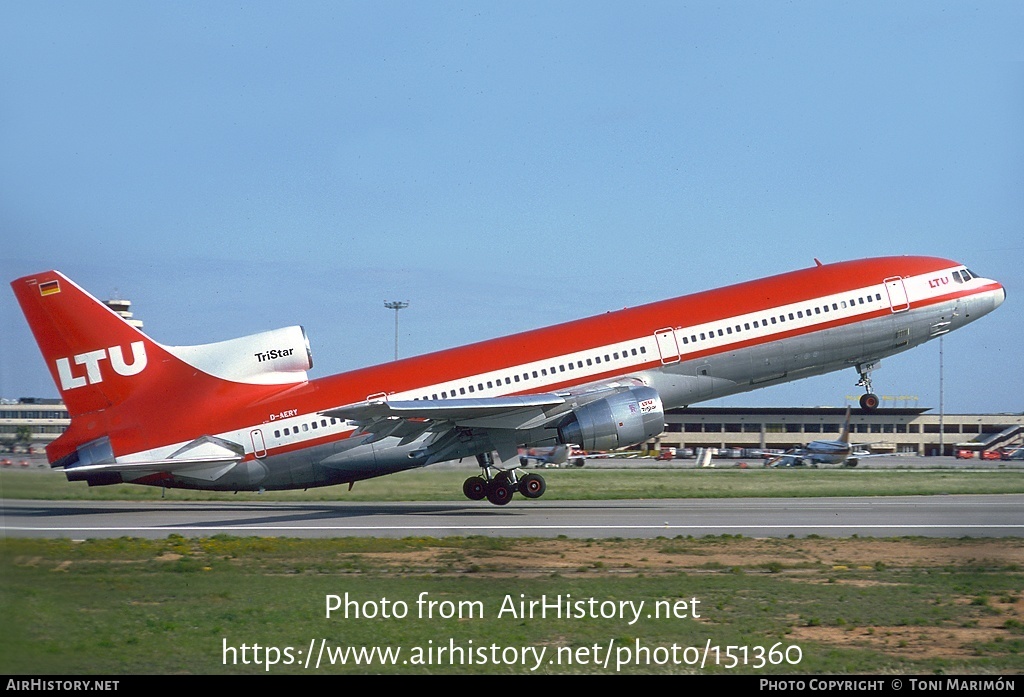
(232, 168)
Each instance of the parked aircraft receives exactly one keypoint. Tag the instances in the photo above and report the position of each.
(243, 414)
(824, 452)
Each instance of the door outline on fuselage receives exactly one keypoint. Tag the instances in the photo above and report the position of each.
(899, 301)
(259, 446)
(668, 347)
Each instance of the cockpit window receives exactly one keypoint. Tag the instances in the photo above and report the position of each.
(956, 277)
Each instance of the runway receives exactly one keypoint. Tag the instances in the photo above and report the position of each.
(949, 516)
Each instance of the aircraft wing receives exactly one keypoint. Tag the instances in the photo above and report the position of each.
(493, 422)
(496, 412)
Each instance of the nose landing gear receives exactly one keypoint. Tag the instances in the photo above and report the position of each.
(499, 487)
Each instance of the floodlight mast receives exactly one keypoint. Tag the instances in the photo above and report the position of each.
(396, 305)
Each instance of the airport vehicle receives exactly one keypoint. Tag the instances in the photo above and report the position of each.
(824, 452)
(243, 414)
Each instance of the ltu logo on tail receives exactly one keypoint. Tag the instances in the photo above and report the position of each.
(91, 361)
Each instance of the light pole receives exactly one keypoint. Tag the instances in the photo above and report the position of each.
(396, 305)
(942, 408)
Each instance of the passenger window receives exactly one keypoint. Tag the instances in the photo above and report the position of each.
(323, 422)
(462, 390)
(471, 388)
(616, 355)
(277, 434)
(287, 431)
(516, 378)
(800, 314)
(746, 325)
(728, 330)
(314, 425)
(305, 427)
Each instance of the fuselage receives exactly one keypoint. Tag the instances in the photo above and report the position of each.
(689, 349)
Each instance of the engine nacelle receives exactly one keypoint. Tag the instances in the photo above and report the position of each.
(279, 356)
(626, 418)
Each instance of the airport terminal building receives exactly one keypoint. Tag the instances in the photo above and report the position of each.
(895, 430)
(31, 423)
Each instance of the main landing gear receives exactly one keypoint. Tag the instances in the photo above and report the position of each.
(869, 401)
(499, 487)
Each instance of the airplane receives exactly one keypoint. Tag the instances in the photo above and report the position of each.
(551, 456)
(244, 415)
(824, 452)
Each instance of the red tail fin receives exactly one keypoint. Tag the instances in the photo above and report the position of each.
(95, 358)
(120, 385)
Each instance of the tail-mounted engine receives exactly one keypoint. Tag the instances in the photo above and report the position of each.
(626, 418)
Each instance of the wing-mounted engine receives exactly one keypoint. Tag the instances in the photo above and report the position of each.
(622, 419)
(277, 357)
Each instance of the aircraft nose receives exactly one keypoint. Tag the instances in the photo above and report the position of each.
(998, 297)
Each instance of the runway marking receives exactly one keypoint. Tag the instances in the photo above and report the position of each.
(173, 528)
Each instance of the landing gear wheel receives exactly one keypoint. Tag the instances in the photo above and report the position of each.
(499, 493)
(532, 486)
(869, 402)
(475, 488)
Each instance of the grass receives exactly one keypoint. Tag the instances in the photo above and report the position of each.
(136, 606)
(133, 606)
(446, 485)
